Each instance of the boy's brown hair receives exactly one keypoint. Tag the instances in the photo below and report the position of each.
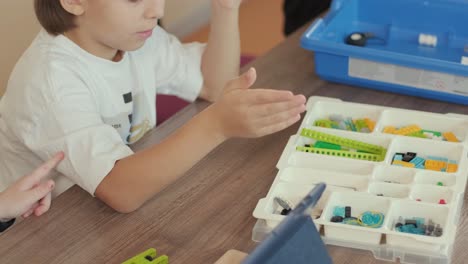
(53, 17)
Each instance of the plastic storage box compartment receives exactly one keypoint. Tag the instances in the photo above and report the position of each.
(394, 60)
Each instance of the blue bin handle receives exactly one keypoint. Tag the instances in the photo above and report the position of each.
(337, 4)
(315, 26)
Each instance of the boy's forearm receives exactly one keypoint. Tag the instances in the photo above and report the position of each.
(137, 178)
(221, 58)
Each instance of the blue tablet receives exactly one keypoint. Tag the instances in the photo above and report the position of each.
(296, 239)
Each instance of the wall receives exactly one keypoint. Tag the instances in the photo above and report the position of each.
(18, 27)
(183, 17)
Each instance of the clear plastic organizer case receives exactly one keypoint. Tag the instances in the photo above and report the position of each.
(408, 194)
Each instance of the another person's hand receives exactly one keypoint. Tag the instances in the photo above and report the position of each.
(248, 113)
(30, 194)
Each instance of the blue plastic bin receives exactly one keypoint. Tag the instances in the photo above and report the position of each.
(394, 60)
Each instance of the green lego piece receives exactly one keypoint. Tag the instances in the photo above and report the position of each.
(360, 124)
(344, 142)
(351, 124)
(419, 134)
(342, 153)
(323, 123)
(148, 257)
(325, 145)
(436, 133)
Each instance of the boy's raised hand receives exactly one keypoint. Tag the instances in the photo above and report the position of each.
(231, 4)
(244, 112)
(30, 194)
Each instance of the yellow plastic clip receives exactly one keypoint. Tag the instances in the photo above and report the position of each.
(370, 124)
(449, 136)
(389, 129)
(403, 163)
(148, 257)
(408, 130)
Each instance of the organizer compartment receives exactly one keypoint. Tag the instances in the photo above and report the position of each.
(325, 110)
(434, 178)
(269, 210)
(431, 194)
(408, 210)
(306, 176)
(359, 204)
(426, 121)
(447, 150)
(389, 190)
(354, 146)
(394, 174)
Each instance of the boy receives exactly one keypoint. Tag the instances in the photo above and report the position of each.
(87, 87)
(29, 195)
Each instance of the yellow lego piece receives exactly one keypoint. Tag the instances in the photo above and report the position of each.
(449, 136)
(370, 124)
(452, 167)
(403, 163)
(389, 129)
(436, 165)
(408, 130)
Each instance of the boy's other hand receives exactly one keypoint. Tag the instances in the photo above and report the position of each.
(29, 194)
(242, 112)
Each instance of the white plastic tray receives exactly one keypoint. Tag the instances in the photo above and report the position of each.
(407, 192)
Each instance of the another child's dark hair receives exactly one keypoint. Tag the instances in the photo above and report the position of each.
(53, 17)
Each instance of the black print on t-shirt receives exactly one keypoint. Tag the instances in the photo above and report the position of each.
(127, 97)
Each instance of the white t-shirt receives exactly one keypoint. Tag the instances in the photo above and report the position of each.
(61, 98)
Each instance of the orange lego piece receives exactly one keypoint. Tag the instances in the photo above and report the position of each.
(449, 136)
(370, 124)
(436, 165)
(452, 167)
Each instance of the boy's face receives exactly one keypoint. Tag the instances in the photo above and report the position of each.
(119, 24)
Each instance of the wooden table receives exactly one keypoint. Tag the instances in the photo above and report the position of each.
(209, 210)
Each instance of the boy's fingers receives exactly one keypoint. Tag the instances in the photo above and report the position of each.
(44, 205)
(265, 96)
(30, 211)
(279, 126)
(244, 81)
(264, 110)
(280, 117)
(41, 172)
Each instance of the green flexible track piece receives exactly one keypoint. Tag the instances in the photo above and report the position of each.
(374, 152)
(342, 153)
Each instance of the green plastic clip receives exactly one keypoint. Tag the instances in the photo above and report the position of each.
(419, 134)
(366, 151)
(435, 133)
(326, 145)
(148, 257)
(323, 123)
